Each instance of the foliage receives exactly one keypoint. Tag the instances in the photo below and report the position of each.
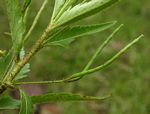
(59, 32)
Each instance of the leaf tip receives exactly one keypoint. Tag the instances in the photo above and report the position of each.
(138, 38)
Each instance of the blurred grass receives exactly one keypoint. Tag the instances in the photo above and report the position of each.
(128, 79)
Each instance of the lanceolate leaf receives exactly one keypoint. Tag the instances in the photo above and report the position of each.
(78, 31)
(7, 102)
(26, 104)
(101, 47)
(63, 97)
(17, 26)
(83, 10)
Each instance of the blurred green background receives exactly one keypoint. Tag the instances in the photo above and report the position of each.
(128, 79)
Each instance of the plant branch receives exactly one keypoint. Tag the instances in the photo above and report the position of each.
(79, 75)
(39, 82)
(11, 76)
(35, 20)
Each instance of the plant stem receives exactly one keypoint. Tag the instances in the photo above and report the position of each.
(35, 20)
(11, 76)
(39, 82)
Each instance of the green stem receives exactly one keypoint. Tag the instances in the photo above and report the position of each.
(35, 20)
(38, 82)
(11, 76)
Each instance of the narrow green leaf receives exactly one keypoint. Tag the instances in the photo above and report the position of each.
(16, 23)
(101, 47)
(35, 21)
(83, 10)
(78, 31)
(64, 97)
(26, 104)
(7, 102)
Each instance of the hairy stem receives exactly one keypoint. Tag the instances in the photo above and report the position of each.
(11, 76)
(39, 82)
